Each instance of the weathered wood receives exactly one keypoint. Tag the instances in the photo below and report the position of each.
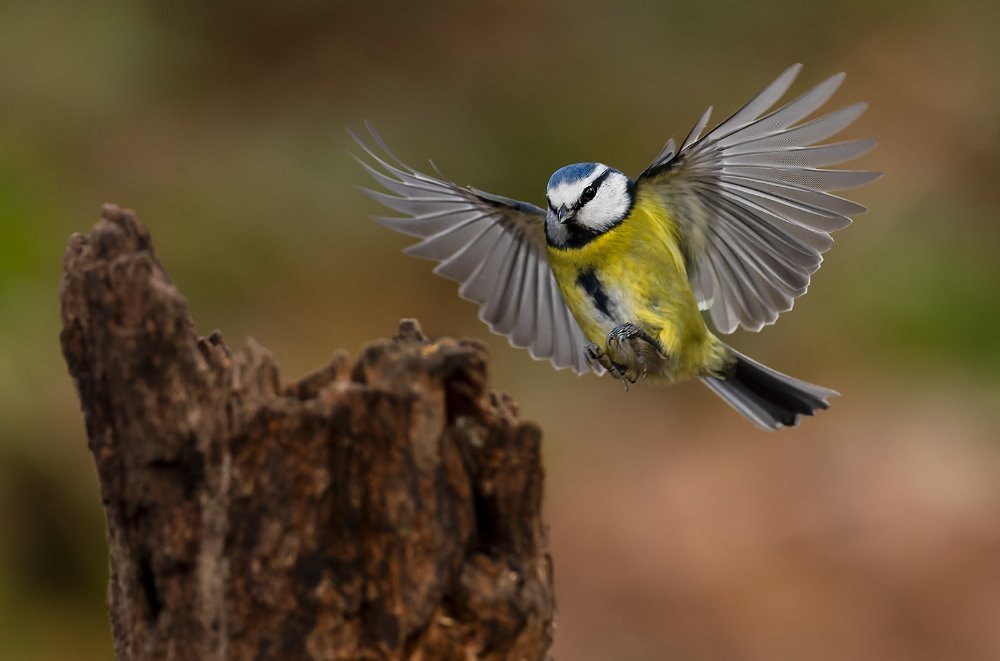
(388, 508)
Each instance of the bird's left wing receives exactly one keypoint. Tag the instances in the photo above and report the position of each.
(492, 245)
(753, 202)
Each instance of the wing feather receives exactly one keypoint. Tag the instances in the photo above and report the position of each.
(563, 352)
(765, 262)
(757, 105)
(794, 111)
(745, 298)
(493, 246)
(483, 282)
(448, 242)
(808, 178)
(754, 200)
(524, 326)
(468, 258)
(692, 137)
(502, 312)
(426, 224)
(809, 157)
(806, 134)
(543, 310)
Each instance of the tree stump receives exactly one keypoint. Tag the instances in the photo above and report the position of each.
(388, 508)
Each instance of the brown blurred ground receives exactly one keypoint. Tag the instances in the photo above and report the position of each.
(679, 531)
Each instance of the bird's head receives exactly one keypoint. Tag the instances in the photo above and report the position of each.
(588, 198)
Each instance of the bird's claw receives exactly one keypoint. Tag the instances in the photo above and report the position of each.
(597, 356)
(642, 365)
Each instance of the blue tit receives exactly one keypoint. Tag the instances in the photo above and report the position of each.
(637, 277)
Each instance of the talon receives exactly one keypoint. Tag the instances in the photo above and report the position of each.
(594, 355)
(641, 359)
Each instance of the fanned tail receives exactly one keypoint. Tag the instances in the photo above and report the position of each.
(769, 399)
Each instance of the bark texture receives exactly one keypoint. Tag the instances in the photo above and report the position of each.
(382, 509)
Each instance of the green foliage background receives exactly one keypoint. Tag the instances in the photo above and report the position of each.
(222, 124)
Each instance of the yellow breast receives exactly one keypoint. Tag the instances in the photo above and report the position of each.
(636, 273)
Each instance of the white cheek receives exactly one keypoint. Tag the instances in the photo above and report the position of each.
(608, 206)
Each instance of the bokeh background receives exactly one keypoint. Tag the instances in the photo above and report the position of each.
(678, 530)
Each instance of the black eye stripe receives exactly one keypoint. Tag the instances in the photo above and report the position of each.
(596, 185)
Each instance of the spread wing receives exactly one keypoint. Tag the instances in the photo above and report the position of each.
(493, 246)
(754, 204)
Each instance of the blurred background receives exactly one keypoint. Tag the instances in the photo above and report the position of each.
(679, 531)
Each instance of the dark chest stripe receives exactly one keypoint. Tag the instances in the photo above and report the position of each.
(591, 284)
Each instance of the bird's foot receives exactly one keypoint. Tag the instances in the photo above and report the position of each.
(597, 356)
(628, 337)
(629, 332)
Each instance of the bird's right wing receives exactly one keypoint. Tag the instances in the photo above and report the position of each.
(492, 245)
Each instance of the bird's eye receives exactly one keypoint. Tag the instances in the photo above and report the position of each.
(588, 194)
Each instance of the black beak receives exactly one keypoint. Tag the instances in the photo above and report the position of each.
(564, 215)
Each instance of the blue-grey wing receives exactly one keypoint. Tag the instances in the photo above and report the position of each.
(753, 201)
(492, 245)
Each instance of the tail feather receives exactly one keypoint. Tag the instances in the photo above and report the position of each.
(766, 397)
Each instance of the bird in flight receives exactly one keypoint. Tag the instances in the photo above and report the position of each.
(637, 277)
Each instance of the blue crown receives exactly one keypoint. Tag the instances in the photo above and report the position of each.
(574, 172)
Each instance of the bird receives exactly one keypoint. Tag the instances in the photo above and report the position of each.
(638, 278)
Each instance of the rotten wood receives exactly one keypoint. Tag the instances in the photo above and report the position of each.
(385, 508)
